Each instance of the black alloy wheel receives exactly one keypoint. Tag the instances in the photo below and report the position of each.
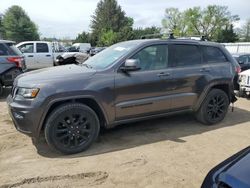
(71, 128)
(214, 107)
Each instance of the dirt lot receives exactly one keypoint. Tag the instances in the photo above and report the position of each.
(169, 152)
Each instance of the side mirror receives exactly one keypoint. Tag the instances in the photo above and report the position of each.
(131, 65)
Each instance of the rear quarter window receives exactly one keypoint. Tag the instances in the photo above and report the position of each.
(5, 50)
(213, 55)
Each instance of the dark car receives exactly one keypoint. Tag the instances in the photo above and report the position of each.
(11, 63)
(231, 173)
(243, 60)
(127, 82)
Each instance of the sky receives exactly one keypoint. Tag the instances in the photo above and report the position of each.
(67, 18)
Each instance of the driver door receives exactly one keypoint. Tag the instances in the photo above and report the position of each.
(144, 92)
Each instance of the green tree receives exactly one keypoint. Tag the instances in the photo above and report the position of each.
(175, 22)
(109, 17)
(84, 37)
(146, 32)
(227, 35)
(108, 38)
(18, 26)
(196, 21)
(1, 27)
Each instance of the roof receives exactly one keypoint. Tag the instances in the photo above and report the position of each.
(7, 41)
(190, 41)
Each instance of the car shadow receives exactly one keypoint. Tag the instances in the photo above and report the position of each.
(172, 128)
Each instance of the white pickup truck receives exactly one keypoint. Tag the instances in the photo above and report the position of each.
(39, 54)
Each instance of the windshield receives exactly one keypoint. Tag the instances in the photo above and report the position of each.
(108, 56)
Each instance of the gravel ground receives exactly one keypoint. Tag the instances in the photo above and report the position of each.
(169, 152)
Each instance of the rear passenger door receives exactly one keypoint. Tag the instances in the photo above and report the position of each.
(189, 74)
(43, 56)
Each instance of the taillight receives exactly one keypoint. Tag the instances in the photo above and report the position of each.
(237, 69)
(16, 60)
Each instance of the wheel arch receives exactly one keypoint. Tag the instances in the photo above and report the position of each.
(224, 86)
(88, 101)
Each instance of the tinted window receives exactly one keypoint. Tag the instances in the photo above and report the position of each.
(213, 55)
(3, 50)
(42, 48)
(14, 48)
(184, 55)
(27, 48)
(153, 57)
(243, 59)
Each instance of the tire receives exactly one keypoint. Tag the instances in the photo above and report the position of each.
(71, 128)
(214, 107)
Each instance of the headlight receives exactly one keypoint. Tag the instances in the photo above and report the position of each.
(28, 92)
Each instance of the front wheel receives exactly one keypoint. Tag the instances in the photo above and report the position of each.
(214, 107)
(72, 128)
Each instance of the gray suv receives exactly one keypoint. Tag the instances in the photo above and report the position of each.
(127, 82)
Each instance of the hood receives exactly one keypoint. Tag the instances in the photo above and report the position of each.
(53, 74)
(246, 72)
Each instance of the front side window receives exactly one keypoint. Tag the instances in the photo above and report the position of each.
(153, 57)
(243, 59)
(27, 48)
(181, 55)
(42, 48)
(213, 55)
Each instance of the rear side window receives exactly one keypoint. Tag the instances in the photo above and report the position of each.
(184, 55)
(5, 50)
(14, 48)
(213, 55)
(42, 48)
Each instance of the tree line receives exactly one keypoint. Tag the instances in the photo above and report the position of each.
(109, 25)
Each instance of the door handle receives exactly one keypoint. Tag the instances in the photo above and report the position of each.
(163, 74)
(48, 55)
(30, 56)
(204, 70)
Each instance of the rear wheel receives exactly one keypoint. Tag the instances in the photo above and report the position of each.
(72, 128)
(214, 107)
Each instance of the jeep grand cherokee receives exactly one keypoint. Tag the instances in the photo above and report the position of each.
(127, 82)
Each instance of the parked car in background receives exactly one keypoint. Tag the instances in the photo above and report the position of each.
(244, 84)
(38, 54)
(12, 63)
(81, 47)
(71, 58)
(127, 82)
(243, 60)
(96, 50)
(234, 172)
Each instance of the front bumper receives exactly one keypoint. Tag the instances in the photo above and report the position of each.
(24, 116)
